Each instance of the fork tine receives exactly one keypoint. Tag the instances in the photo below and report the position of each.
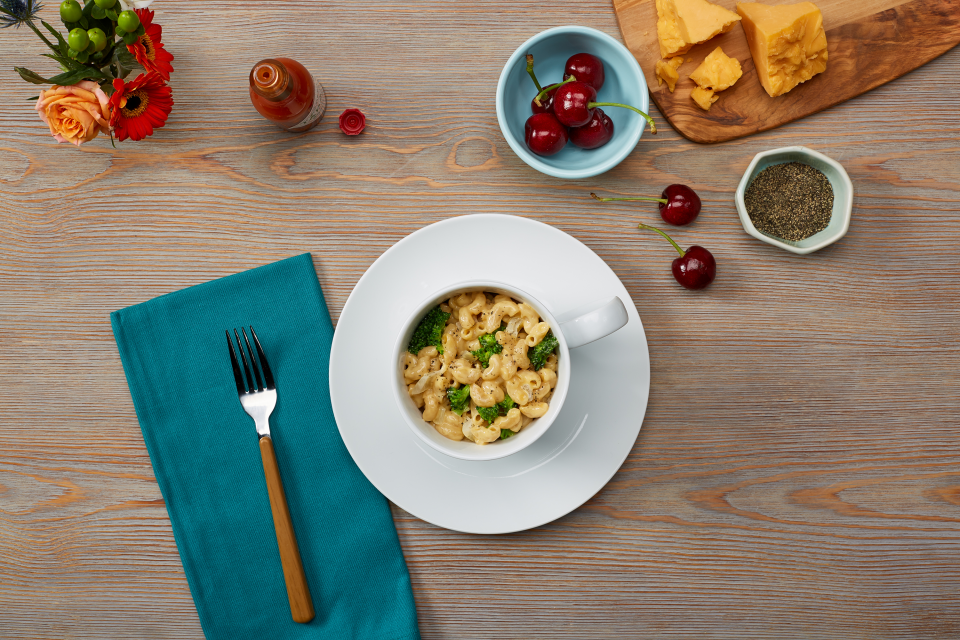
(243, 357)
(253, 361)
(267, 374)
(241, 385)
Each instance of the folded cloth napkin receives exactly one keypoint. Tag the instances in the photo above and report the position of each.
(207, 461)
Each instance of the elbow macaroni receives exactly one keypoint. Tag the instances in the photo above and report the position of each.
(508, 376)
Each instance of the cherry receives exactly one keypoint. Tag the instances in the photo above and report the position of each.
(544, 134)
(682, 206)
(586, 68)
(575, 101)
(595, 133)
(542, 102)
(546, 103)
(695, 268)
(679, 204)
(570, 103)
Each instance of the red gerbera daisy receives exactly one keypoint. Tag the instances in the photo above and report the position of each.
(148, 49)
(139, 106)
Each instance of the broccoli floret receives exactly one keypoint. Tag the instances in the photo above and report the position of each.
(459, 399)
(500, 409)
(489, 341)
(488, 347)
(429, 331)
(538, 355)
(488, 413)
(506, 433)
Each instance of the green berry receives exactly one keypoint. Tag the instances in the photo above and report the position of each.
(70, 11)
(78, 39)
(105, 4)
(97, 38)
(128, 21)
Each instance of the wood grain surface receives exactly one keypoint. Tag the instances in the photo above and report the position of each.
(798, 471)
(870, 42)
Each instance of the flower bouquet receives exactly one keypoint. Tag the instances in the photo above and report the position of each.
(106, 40)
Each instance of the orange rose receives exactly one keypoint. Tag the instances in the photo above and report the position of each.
(77, 113)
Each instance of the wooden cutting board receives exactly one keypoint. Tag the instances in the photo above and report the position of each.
(870, 42)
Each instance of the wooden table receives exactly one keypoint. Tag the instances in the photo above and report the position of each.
(797, 471)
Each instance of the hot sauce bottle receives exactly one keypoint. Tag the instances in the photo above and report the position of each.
(285, 93)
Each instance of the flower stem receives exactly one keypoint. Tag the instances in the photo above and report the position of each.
(653, 126)
(675, 245)
(533, 76)
(596, 197)
(30, 24)
(544, 92)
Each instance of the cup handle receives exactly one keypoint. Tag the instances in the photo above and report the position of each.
(596, 324)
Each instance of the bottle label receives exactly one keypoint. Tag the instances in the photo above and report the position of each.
(315, 112)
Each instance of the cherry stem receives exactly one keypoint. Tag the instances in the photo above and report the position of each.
(653, 126)
(533, 76)
(675, 245)
(544, 92)
(661, 200)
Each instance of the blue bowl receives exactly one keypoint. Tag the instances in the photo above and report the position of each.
(624, 83)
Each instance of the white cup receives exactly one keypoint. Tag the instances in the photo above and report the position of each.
(589, 327)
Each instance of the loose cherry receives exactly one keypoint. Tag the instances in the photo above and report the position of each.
(595, 133)
(679, 204)
(585, 68)
(695, 268)
(544, 134)
(575, 101)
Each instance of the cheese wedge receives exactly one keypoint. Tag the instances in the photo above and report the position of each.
(667, 72)
(717, 72)
(684, 23)
(787, 41)
(703, 97)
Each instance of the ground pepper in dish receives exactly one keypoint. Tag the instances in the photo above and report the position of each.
(791, 201)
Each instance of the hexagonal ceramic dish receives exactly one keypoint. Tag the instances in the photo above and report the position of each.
(842, 197)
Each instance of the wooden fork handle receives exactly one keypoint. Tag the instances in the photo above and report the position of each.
(301, 606)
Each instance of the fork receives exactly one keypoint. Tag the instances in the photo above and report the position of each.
(258, 395)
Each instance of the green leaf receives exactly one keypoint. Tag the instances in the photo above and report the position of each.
(30, 76)
(141, 30)
(112, 14)
(56, 34)
(97, 13)
(130, 38)
(126, 59)
(67, 78)
(34, 98)
(66, 62)
(73, 77)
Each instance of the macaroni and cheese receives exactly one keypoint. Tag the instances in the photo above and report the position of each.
(481, 366)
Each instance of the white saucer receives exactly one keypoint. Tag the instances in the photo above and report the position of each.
(584, 447)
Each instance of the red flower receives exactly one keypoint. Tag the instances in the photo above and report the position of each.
(148, 49)
(139, 106)
(352, 122)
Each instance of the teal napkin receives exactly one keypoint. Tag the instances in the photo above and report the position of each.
(207, 461)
